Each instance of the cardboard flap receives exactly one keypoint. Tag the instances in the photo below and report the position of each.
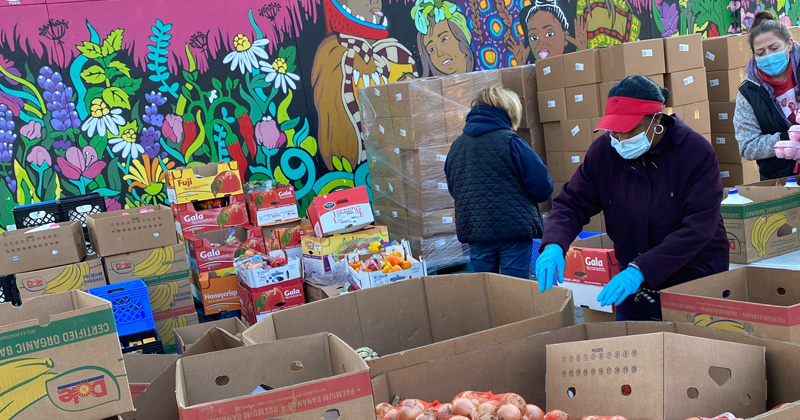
(144, 368)
(45, 309)
(189, 335)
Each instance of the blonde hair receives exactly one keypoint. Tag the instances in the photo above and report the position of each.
(503, 99)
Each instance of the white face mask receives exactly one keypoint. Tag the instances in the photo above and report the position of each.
(635, 146)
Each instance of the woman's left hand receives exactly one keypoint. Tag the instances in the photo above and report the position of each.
(621, 286)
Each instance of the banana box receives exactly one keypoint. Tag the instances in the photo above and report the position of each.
(152, 266)
(166, 329)
(171, 299)
(765, 228)
(213, 180)
(83, 275)
(319, 254)
(258, 302)
(60, 358)
(216, 291)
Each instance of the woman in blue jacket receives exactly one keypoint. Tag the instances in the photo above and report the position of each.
(658, 184)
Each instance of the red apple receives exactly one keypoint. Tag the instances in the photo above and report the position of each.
(226, 182)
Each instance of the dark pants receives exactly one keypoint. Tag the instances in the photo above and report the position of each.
(509, 258)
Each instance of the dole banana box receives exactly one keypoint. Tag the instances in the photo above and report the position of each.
(60, 358)
(171, 299)
(216, 291)
(210, 251)
(153, 266)
(203, 182)
(765, 228)
(194, 217)
(258, 302)
(83, 275)
(166, 329)
(274, 205)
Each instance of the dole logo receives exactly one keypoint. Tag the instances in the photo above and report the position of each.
(83, 388)
(292, 293)
(34, 285)
(123, 266)
(210, 254)
(594, 262)
(193, 218)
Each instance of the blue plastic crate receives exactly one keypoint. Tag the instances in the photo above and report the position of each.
(585, 235)
(131, 305)
(536, 244)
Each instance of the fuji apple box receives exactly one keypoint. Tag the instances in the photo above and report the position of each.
(217, 291)
(340, 212)
(259, 302)
(208, 251)
(189, 220)
(276, 205)
(203, 182)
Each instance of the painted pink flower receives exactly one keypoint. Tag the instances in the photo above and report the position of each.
(32, 130)
(268, 134)
(112, 205)
(173, 128)
(39, 156)
(80, 163)
(786, 20)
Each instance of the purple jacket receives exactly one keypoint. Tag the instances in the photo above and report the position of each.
(661, 210)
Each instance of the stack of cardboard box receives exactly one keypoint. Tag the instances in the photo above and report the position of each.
(725, 61)
(685, 78)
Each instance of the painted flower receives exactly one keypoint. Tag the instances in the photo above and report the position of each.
(39, 156)
(32, 130)
(12, 184)
(149, 175)
(150, 142)
(126, 144)
(102, 118)
(734, 5)
(278, 75)
(268, 135)
(155, 98)
(62, 144)
(112, 205)
(80, 163)
(247, 54)
(669, 18)
(173, 128)
(212, 96)
(787, 20)
(9, 66)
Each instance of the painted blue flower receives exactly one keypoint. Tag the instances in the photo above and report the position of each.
(155, 98)
(150, 140)
(669, 18)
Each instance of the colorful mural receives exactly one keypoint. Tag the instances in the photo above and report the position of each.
(106, 96)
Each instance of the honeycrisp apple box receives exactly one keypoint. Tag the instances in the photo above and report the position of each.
(590, 264)
(60, 358)
(342, 211)
(216, 291)
(83, 275)
(190, 218)
(208, 251)
(258, 302)
(261, 277)
(275, 205)
(361, 279)
(203, 182)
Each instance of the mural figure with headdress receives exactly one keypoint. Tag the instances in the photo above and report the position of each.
(444, 39)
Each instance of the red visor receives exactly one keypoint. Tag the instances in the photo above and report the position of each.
(623, 113)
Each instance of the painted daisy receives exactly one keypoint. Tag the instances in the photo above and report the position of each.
(127, 144)
(247, 54)
(278, 74)
(102, 118)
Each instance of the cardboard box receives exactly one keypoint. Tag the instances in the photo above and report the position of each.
(686, 87)
(416, 98)
(152, 266)
(186, 337)
(287, 237)
(603, 91)
(723, 85)
(318, 251)
(78, 276)
(645, 58)
(190, 219)
(592, 316)
(171, 299)
(311, 375)
(734, 174)
(274, 206)
(342, 211)
(131, 230)
(722, 117)
(316, 291)
(697, 117)
(440, 251)
(590, 264)
(392, 188)
(593, 123)
(780, 182)
(212, 180)
(39, 248)
(71, 368)
(749, 300)
(433, 223)
(597, 223)
(513, 79)
(207, 250)
(378, 99)
(216, 291)
(394, 217)
(726, 52)
(408, 322)
(257, 303)
(727, 148)
(562, 165)
(550, 73)
(166, 329)
(361, 279)
(581, 68)
(656, 376)
(410, 133)
(428, 195)
(142, 369)
(583, 102)
(569, 135)
(683, 52)
(777, 212)
(262, 277)
(552, 105)
(157, 402)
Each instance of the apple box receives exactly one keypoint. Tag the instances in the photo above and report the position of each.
(590, 264)
(340, 212)
(275, 205)
(259, 302)
(191, 218)
(202, 182)
(361, 279)
(260, 277)
(208, 251)
(287, 236)
(216, 291)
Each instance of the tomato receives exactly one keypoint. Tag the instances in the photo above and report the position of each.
(226, 182)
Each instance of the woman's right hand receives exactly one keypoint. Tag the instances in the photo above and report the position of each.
(550, 267)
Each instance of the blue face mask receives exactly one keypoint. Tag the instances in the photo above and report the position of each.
(773, 64)
(635, 146)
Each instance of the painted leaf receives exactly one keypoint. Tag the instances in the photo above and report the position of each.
(116, 97)
(114, 181)
(26, 192)
(259, 200)
(283, 114)
(121, 67)
(309, 145)
(337, 163)
(90, 49)
(261, 302)
(222, 219)
(106, 192)
(346, 165)
(288, 125)
(280, 177)
(113, 42)
(94, 75)
(217, 84)
(290, 55)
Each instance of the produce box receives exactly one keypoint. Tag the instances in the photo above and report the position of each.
(261, 277)
(581, 68)
(171, 299)
(131, 230)
(342, 211)
(749, 300)
(780, 182)
(185, 337)
(765, 228)
(726, 52)
(311, 375)
(550, 72)
(23, 250)
(641, 57)
(71, 368)
(275, 205)
(208, 251)
(656, 376)
(287, 236)
(683, 52)
(315, 291)
(590, 264)
(144, 368)
(318, 252)
(157, 402)
(191, 218)
(362, 279)
(257, 303)
(216, 291)
(83, 275)
(416, 320)
(151, 266)
(166, 329)
(203, 182)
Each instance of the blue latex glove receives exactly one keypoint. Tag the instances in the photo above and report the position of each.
(550, 267)
(621, 286)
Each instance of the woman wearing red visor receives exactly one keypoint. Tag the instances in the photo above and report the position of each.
(658, 184)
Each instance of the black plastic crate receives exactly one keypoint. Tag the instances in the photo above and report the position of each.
(9, 291)
(37, 214)
(76, 208)
(135, 343)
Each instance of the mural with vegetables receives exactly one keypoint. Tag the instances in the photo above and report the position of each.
(110, 96)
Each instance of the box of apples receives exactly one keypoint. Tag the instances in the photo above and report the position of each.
(270, 203)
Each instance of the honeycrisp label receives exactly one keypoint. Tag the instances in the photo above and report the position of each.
(56, 334)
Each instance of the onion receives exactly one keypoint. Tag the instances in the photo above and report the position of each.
(489, 407)
(411, 403)
(534, 412)
(556, 415)
(390, 415)
(509, 412)
(488, 417)
(515, 400)
(382, 408)
(444, 410)
(464, 407)
(429, 414)
(459, 418)
(410, 412)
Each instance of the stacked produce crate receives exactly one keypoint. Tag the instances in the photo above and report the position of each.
(685, 78)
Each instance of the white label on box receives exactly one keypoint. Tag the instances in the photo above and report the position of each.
(579, 98)
(442, 185)
(723, 116)
(380, 127)
(579, 66)
(720, 140)
(576, 159)
(725, 174)
(713, 82)
(377, 92)
(402, 132)
(397, 150)
(683, 47)
(447, 220)
(391, 188)
(546, 70)
(440, 242)
(710, 55)
(394, 214)
(377, 187)
(377, 212)
(551, 104)
(398, 97)
(277, 214)
(441, 158)
(575, 130)
(647, 53)
(689, 80)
